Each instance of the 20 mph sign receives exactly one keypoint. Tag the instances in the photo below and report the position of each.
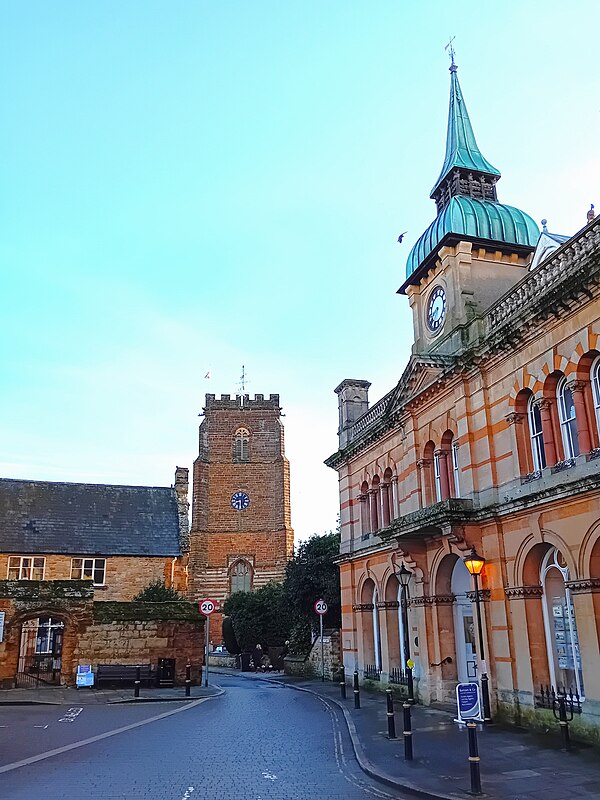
(207, 607)
(321, 607)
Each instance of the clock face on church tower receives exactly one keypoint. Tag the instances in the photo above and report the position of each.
(436, 309)
(240, 501)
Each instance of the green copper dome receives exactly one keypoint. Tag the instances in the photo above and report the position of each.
(476, 219)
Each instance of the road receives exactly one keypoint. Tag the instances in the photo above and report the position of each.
(259, 741)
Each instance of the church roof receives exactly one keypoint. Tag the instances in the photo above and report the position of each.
(87, 519)
(474, 219)
(461, 147)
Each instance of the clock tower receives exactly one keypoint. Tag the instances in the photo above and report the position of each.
(474, 251)
(241, 536)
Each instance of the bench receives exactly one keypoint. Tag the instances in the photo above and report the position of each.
(123, 674)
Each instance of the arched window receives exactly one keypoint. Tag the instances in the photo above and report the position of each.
(240, 445)
(562, 642)
(241, 577)
(455, 469)
(437, 475)
(568, 421)
(595, 379)
(536, 435)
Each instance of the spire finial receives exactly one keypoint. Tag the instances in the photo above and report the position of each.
(591, 213)
(451, 52)
(545, 226)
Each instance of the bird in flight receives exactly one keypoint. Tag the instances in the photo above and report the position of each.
(402, 235)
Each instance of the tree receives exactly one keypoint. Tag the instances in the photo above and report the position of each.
(313, 574)
(157, 592)
(262, 617)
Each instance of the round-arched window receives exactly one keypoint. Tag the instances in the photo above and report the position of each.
(568, 421)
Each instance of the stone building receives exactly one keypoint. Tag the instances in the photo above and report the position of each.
(489, 440)
(241, 536)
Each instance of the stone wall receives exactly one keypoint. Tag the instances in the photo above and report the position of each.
(310, 665)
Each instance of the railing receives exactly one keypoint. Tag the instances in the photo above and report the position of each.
(549, 698)
(374, 413)
(403, 677)
(372, 672)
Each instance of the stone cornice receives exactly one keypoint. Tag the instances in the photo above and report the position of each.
(484, 595)
(433, 600)
(363, 607)
(523, 592)
(385, 604)
(585, 586)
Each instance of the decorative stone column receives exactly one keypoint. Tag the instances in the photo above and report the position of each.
(545, 407)
(364, 514)
(424, 467)
(373, 498)
(442, 456)
(395, 499)
(583, 431)
(587, 632)
(385, 504)
(515, 422)
(518, 596)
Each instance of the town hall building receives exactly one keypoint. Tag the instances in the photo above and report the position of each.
(485, 456)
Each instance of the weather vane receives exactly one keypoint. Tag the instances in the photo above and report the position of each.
(243, 379)
(451, 52)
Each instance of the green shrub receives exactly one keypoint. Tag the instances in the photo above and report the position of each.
(157, 592)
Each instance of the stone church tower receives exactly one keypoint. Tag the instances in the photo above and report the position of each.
(241, 535)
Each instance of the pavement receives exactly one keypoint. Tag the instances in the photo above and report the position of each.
(515, 764)
(69, 695)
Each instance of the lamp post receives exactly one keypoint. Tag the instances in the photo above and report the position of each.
(404, 575)
(475, 564)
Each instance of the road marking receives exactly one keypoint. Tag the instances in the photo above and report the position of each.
(269, 777)
(188, 793)
(59, 750)
(71, 714)
(41, 726)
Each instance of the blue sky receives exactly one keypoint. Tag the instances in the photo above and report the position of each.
(193, 186)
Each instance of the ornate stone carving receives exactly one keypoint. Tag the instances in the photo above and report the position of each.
(561, 466)
(514, 418)
(585, 586)
(484, 594)
(523, 592)
(432, 600)
(388, 604)
(363, 607)
(578, 386)
(423, 463)
(543, 403)
(532, 476)
(595, 453)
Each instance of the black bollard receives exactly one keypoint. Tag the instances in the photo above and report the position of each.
(474, 759)
(356, 691)
(138, 680)
(343, 683)
(188, 679)
(390, 714)
(408, 744)
(564, 716)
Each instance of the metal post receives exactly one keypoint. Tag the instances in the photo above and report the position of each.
(474, 759)
(408, 745)
(485, 689)
(138, 680)
(390, 714)
(356, 690)
(188, 679)
(563, 720)
(343, 682)
(322, 655)
(206, 632)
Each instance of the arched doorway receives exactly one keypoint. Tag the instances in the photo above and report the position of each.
(464, 624)
(40, 652)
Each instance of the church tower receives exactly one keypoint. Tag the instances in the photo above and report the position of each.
(474, 251)
(241, 536)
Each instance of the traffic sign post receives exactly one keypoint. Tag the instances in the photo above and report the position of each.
(321, 609)
(206, 607)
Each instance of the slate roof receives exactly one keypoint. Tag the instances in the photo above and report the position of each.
(87, 519)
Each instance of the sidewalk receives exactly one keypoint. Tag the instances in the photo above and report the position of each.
(515, 764)
(68, 695)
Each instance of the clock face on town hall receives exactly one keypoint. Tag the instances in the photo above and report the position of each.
(436, 309)
(240, 501)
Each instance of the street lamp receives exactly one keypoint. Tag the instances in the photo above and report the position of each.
(475, 564)
(404, 575)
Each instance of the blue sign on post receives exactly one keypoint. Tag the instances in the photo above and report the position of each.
(469, 702)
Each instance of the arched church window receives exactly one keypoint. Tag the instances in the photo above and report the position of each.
(536, 435)
(568, 421)
(595, 378)
(241, 444)
(564, 659)
(241, 577)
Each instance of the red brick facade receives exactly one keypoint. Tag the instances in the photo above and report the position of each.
(259, 536)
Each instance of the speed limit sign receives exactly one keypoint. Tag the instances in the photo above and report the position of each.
(207, 607)
(321, 607)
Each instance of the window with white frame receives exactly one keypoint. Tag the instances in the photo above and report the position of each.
(568, 421)
(455, 469)
(241, 577)
(93, 569)
(564, 658)
(26, 568)
(595, 378)
(437, 476)
(536, 435)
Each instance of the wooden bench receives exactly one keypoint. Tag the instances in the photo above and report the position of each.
(123, 674)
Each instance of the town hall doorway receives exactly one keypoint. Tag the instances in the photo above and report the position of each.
(40, 652)
(464, 624)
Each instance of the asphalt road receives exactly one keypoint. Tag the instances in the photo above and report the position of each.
(259, 741)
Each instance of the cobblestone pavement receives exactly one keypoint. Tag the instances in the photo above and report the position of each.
(259, 741)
